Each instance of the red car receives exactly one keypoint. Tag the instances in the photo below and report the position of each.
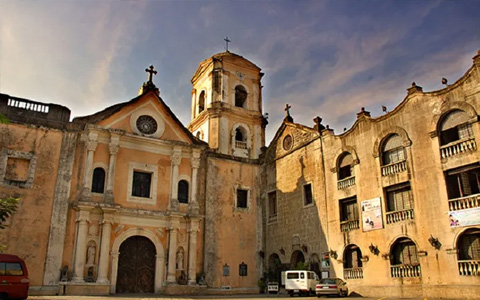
(14, 280)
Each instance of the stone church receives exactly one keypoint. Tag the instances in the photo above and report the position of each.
(129, 200)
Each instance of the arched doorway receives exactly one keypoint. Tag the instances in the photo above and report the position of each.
(274, 268)
(136, 266)
(297, 259)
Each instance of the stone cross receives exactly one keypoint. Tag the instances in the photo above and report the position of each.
(226, 42)
(151, 71)
(287, 109)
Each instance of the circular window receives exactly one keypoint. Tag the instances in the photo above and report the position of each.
(146, 124)
(287, 142)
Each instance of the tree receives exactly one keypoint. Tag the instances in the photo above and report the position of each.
(7, 207)
(3, 119)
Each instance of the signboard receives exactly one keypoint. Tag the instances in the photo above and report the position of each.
(464, 217)
(372, 214)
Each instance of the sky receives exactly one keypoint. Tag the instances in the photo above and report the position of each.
(324, 58)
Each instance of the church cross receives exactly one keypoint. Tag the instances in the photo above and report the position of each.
(226, 42)
(151, 71)
(287, 109)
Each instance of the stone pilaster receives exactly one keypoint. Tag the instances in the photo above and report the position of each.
(172, 250)
(113, 147)
(81, 246)
(105, 247)
(176, 159)
(87, 176)
(192, 252)
(193, 207)
(113, 275)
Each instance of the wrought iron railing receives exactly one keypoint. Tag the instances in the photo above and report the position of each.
(400, 215)
(458, 147)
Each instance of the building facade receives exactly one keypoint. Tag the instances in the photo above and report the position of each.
(129, 200)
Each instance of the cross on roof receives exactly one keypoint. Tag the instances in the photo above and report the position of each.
(226, 42)
(287, 109)
(151, 71)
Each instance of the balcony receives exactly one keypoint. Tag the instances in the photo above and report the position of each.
(394, 168)
(469, 267)
(240, 145)
(399, 215)
(458, 147)
(466, 202)
(349, 225)
(353, 273)
(402, 271)
(346, 182)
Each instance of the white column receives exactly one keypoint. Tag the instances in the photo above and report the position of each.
(113, 147)
(105, 248)
(113, 275)
(87, 176)
(81, 245)
(172, 255)
(159, 267)
(176, 158)
(195, 161)
(192, 253)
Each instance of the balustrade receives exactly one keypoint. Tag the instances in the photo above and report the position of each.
(469, 267)
(400, 215)
(458, 147)
(240, 145)
(349, 225)
(353, 273)
(399, 271)
(346, 182)
(466, 202)
(394, 168)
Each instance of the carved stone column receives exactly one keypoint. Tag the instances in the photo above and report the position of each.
(193, 207)
(192, 252)
(176, 158)
(113, 275)
(105, 247)
(172, 255)
(81, 246)
(87, 176)
(113, 147)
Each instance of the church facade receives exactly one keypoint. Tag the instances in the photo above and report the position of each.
(129, 200)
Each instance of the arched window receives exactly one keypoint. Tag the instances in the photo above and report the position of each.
(98, 181)
(468, 245)
(393, 150)
(454, 127)
(239, 136)
(201, 102)
(240, 96)
(183, 191)
(404, 252)
(352, 257)
(345, 166)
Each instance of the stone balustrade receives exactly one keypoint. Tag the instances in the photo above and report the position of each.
(353, 273)
(400, 271)
(394, 168)
(458, 147)
(469, 267)
(349, 225)
(346, 182)
(240, 145)
(466, 202)
(400, 215)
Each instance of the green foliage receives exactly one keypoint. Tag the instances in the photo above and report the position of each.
(302, 266)
(7, 207)
(3, 119)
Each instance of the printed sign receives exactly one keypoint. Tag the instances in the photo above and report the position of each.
(464, 217)
(372, 214)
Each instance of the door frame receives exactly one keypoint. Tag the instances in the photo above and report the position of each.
(159, 263)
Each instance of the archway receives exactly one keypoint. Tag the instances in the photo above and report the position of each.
(136, 266)
(296, 258)
(275, 268)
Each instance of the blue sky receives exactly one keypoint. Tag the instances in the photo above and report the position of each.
(325, 58)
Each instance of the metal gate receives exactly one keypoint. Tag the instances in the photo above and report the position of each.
(136, 266)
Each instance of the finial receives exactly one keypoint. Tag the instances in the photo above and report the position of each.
(226, 42)
(288, 117)
(444, 81)
(413, 84)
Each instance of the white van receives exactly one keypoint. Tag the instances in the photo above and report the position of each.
(300, 282)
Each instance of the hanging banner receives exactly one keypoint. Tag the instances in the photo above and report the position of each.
(372, 214)
(464, 217)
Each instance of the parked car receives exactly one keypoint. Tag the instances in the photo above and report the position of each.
(332, 286)
(14, 280)
(300, 282)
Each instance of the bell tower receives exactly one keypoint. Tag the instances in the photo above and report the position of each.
(227, 105)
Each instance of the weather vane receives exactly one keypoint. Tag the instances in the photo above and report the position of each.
(226, 42)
